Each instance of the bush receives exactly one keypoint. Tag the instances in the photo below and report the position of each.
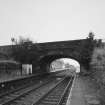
(98, 70)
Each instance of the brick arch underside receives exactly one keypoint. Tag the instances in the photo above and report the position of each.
(46, 60)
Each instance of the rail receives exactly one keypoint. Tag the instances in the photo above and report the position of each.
(55, 95)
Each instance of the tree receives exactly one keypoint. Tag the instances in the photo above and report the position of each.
(21, 49)
(99, 43)
(87, 50)
(91, 36)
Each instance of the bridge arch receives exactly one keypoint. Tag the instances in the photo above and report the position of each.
(45, 61)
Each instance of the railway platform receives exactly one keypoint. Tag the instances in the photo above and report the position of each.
(6, 78)
(83, 92)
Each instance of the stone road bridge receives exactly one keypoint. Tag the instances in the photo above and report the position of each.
(47, 52)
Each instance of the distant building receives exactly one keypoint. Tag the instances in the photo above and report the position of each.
(69, 66)
(58, 64)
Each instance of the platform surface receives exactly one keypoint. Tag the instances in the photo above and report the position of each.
(83, 92)
(5, 78)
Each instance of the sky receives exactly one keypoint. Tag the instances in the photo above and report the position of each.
(51, 20)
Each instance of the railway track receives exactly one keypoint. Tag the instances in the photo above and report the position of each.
(58, 95)
(16, 97)
(28, 84)
(13, 85)
(51, 92)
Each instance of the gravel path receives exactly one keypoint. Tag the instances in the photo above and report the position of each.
(84, 92)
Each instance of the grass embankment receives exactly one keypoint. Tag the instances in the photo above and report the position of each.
(98, 71)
